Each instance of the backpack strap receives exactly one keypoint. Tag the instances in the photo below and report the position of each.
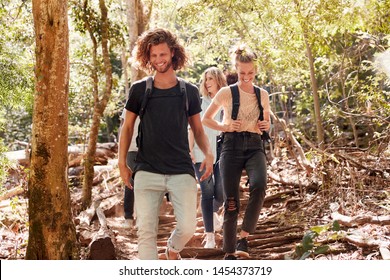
(183, 90)
(265, 136)
(148, 93)
(235, 100)
(258, 96)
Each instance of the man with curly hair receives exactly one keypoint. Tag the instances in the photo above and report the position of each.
(163, 163)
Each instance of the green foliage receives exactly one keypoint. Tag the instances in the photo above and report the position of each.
(4, 164)
(16, 61)
(202, 27)
(19, 129)
(16, 70)
(15, 83)
(345, 36)
(81, 101)
(309, 245)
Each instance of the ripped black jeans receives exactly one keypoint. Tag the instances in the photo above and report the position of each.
(242, 150)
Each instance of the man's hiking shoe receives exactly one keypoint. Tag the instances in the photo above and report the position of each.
(173, 256)
(242, 248)
(129, 224)
(230, 257)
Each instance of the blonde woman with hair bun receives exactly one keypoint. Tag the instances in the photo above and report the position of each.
(242, 149)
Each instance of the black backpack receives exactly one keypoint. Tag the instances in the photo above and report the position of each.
(236, 104)
(145, 100)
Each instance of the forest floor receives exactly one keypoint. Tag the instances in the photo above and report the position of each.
(342, 214)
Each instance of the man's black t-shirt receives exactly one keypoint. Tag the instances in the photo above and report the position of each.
(164, 148)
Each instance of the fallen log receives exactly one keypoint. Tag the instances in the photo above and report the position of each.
(279, 249)
(11, 193)
(261, 234)
(278, 196)
(85, 217)
(365, 242)
(110, 204)
(360, 219)
(22, 157)
(277, 178)
(102, 247)
(80, 149)
(103, 153)
(275, 241)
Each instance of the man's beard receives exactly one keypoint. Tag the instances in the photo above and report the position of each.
(163, 70)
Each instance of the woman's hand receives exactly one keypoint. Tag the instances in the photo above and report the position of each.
(233, 126)
(263, 125)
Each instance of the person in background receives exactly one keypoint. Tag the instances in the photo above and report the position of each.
(163, 163)
(211, 189)
(128, 200)
(231, 77)
(242, 149)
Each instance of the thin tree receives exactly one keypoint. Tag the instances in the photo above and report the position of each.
(313, 79)
(100, 102)
(52, 233)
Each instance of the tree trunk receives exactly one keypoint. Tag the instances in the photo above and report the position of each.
(316, 98)
(52, 234)
(132, 27)
(137, 22)
(313, 79)
(125, 74)
(89, 160)
(100, 104)
(346, 104)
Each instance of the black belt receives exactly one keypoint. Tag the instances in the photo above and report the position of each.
(242, 133)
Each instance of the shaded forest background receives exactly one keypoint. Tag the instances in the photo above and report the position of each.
(326, 65)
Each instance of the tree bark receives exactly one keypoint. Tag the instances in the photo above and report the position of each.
(52, 233)
(137, 22)
(125, 74)
(316, 98)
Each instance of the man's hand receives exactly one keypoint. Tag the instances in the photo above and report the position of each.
(126, 174)
(207, 165)
(204, 144)
(192, 156)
